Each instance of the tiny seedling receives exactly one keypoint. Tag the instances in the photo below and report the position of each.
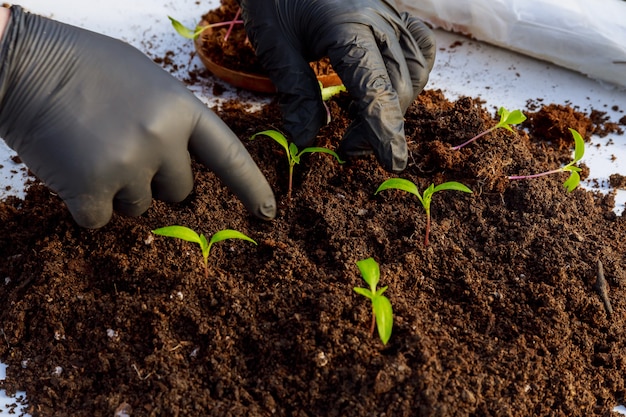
(327, 94)
(293, 154)
(185, 233)
(194, 33)
(507, 119)
(425, 199)
(331, 91)
(382, 313)
(574, 178)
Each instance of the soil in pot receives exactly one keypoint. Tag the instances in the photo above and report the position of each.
(227, 52)
(497, 316)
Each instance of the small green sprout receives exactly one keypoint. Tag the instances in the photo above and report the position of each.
(507, 119)
(330, 92)
(185, 233)
(327, 94)
(194, 33)
(382, 313)
(425, 199)
(574, 178)
(293, 154)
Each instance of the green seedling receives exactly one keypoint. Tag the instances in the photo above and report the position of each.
(293, 154)
(330, 92)
(425, 199)
(574, 178)
(507, 119)
(194, 33)
(382, 313)
(327, 94)
(185, 233)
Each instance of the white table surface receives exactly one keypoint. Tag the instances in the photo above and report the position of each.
(475, 69)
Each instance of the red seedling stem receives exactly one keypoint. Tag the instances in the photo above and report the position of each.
(456, 148)
(541, 174)
(232, 24)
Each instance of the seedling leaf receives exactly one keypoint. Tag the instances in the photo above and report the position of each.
(180, 232)
(400, 184)
(579, 143)
(508, 118)
(572, 181)
(380, 291)
(329, 92)
(228, 234)
(276, 135)
(317, 149)
(184, 31)
(364, 292)
(370, 272)
(384, 317)
(452, 185)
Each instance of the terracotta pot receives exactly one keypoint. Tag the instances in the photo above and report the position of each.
(245, 80)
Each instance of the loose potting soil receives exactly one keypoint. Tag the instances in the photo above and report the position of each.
(498, 315)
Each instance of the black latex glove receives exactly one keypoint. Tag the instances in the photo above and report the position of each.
(106, 128)
(383, 57)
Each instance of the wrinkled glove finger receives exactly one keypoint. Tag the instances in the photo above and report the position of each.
(90, 210)
(174, 180)
(401, 58)
(420, 60)
(300, 97)
(133, 199)
(380, 119)
(220, 150)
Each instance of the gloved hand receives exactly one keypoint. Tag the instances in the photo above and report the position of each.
(383, 57)
(106, 128)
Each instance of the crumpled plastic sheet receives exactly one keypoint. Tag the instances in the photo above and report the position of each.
(588, 36)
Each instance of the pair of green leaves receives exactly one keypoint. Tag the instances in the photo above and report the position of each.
(425, 198)
(382, 312)
(185, 233)
(293, 153)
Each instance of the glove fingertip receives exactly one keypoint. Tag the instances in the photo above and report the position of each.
(89, 212)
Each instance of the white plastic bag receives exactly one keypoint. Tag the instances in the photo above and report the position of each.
(588, 36)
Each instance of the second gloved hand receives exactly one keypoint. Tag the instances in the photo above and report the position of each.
(383, 57)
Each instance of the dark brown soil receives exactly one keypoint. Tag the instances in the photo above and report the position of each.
(235, 52)
(497, 316)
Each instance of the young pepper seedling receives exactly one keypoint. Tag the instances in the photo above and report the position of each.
(188, 33)
(185, 233)
(507, 119)
(293, 154)
(574, 177)
(382, 312)
(410, 187)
